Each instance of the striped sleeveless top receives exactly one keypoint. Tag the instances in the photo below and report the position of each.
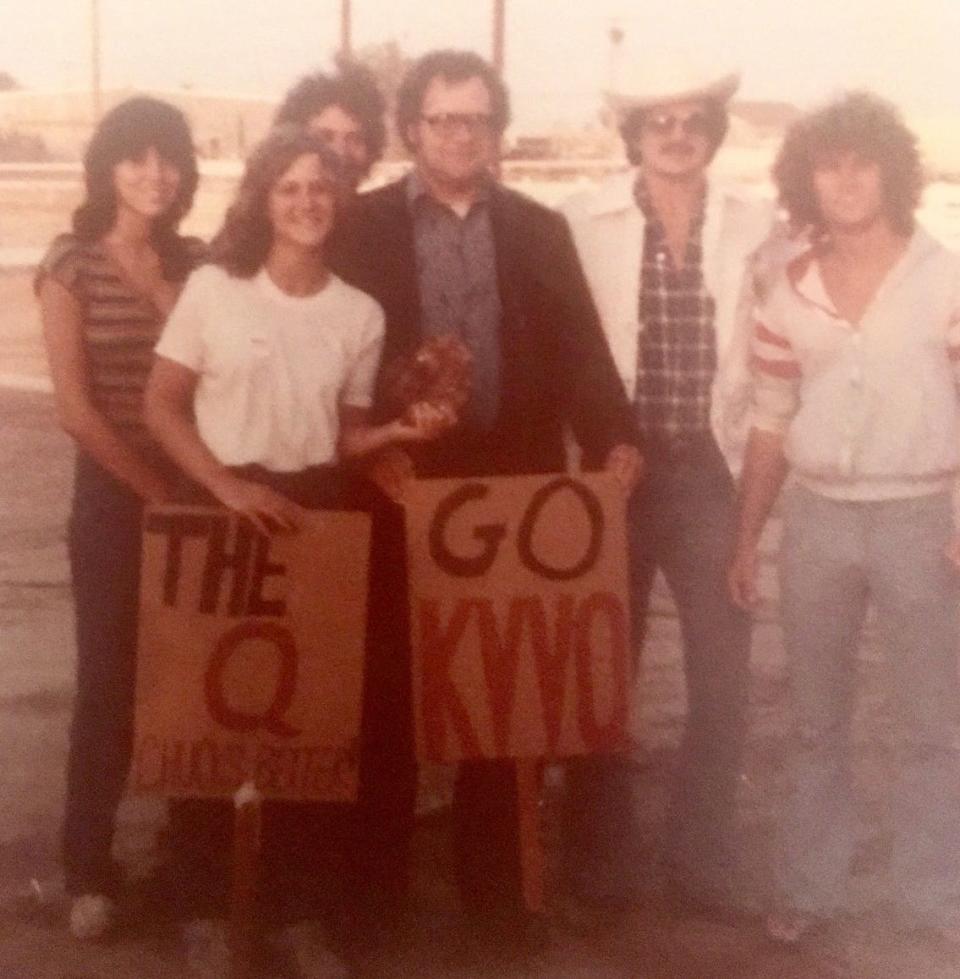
(120, 327)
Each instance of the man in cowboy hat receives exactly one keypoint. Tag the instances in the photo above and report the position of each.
(672, 259)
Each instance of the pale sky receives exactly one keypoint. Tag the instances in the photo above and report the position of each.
(558, 51)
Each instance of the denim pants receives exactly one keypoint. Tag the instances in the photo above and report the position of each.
(837, 557)
(681, 519)
(104, 551)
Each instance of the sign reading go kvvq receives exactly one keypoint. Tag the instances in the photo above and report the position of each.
(520, 628)
(250, 660)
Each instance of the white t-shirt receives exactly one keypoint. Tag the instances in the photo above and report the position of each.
(273, 368)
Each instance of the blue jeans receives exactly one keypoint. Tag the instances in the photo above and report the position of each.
(104, 550)
(836, 558)
(682, 519)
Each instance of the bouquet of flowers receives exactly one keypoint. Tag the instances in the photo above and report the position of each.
(437, 372)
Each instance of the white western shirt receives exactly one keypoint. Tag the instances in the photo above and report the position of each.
(608, 230)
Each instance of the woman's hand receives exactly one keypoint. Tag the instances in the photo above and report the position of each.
(155, 489)
(742, 576)
(392, 470)
(268, 510)
(424, 420)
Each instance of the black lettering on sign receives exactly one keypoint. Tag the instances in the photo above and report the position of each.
(272, 719)
(491, 534)
(263, 567)
(175, 527)
(220, 560)
(594, 511)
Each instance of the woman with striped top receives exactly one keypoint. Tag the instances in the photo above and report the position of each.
(104, 293)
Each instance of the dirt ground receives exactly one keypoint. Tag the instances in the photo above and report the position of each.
(654, 940)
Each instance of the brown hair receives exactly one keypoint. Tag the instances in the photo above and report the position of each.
(354, 88)
(858, 122)
(451, 66)
(126, 132)
(243, 242)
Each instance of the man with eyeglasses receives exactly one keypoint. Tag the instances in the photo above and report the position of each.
(671, 257)
(448, 249)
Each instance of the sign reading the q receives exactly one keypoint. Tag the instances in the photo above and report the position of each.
(250, 660)
(520, 623)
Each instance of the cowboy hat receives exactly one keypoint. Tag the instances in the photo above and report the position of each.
(662, 80)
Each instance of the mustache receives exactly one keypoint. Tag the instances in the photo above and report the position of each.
(678, 146)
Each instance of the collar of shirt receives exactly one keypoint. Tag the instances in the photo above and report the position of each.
(806, 277)
(641, 195)
(418, 193)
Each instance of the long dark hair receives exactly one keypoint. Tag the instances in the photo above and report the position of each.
(126, 132)
(243, 242)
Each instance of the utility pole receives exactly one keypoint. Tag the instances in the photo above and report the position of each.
(616, 36)
(95, 95)
(499, 34)
(346, 30)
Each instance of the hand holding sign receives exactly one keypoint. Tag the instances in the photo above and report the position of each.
(519, 616)
(250, 660)
(264, 507)
(625, 464)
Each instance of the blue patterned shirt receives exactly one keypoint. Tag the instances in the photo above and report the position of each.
(459, 293)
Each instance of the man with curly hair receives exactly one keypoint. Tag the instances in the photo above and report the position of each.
(346, 111)
(856, 359)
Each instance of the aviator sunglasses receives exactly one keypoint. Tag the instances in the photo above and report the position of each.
(664, 123)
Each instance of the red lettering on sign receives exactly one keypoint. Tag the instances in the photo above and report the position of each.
(503, 641)
(440, 695)
(501, 658)
(596, 734)
(552, 660)
(272, 719)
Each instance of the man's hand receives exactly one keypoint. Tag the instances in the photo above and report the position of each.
(952, 550)
(392, 470)
(742, 577)
(625, 464)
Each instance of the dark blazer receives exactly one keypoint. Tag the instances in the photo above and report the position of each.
(555, 365)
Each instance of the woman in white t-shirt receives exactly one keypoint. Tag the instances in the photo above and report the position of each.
(268, 360)
(262, 384)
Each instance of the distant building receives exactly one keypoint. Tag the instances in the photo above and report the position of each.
(223, 125)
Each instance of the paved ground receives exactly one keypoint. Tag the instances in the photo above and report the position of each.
(654, 940)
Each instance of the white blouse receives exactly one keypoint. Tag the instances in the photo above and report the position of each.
(273, 369)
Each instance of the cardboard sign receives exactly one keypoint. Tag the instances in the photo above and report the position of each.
(519, 616)
(250, 660)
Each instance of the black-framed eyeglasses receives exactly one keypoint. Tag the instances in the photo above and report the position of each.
(664, 123)
(451, 123)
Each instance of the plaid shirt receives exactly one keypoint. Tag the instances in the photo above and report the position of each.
(677, 352)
